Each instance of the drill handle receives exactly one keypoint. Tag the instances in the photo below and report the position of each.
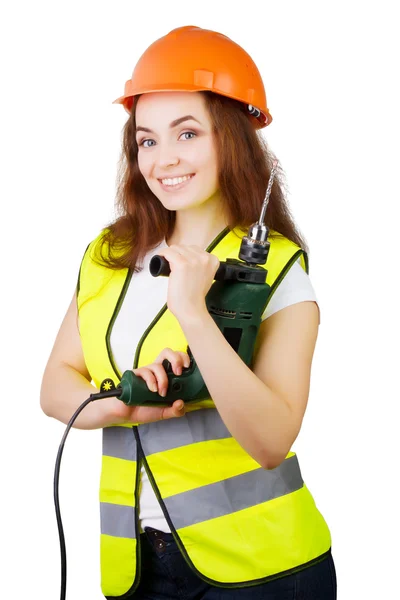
(230, 270)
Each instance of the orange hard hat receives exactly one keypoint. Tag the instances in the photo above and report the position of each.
(192, 59)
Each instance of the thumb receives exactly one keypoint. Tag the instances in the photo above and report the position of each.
(179, 408)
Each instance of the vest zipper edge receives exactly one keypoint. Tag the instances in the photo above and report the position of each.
(112, 321)
(136, 582)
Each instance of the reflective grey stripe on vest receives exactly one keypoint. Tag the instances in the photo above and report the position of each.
(196, 426)
(233, 494)
(117, 520)
(119, 442)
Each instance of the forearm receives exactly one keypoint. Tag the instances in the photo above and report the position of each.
(256, 417)
(63, 390)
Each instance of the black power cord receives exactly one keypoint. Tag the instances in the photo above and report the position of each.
(108, 394)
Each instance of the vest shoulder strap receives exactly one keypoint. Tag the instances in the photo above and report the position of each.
(92, 276)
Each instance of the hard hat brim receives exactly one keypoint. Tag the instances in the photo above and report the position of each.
(173, 87)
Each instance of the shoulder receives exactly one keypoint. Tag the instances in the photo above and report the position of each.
(295, 284)
(292, 283)
(97, 246)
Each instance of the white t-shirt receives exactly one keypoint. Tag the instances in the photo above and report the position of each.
(135, 316)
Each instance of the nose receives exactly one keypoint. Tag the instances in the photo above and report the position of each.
(167, 156)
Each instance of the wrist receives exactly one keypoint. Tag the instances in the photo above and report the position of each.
(194, 318)
(107, 412)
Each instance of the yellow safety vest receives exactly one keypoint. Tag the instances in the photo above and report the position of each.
(236, 523)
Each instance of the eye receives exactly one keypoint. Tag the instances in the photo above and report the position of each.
(188, 133)
(142, 143)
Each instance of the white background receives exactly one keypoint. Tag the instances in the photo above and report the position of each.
(330, 73)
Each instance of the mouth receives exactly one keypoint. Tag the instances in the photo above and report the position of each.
(177, 183)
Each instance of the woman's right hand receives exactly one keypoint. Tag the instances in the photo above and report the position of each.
(156, 378)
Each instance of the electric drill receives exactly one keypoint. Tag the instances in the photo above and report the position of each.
(235, 301)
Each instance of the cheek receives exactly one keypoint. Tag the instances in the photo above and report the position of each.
(206, 159)
(144, 165)
(211, 169)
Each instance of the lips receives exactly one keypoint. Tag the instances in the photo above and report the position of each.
(176, 176)
(178, 186)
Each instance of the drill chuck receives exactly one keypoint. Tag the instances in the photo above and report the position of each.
(255, 246)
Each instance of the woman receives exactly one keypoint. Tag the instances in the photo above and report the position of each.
(203, 500)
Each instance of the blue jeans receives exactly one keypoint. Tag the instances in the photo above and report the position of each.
(166, 576)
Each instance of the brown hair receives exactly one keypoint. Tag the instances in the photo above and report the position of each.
(245, 164)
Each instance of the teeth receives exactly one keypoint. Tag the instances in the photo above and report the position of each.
(175, 180)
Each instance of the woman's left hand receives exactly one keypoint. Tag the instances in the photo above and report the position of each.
(192, 274)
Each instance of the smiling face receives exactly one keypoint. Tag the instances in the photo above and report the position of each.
(176, 150)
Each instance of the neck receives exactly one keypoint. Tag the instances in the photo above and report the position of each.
(198, 225)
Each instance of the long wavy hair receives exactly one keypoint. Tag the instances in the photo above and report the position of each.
(245, 163)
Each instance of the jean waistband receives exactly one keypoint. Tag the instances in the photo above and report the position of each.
(155, 534)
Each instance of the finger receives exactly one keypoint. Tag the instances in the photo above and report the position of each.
(178, 409)
(202, 255)
(174, 254)
(163, 354)
(176, 358)
(148, 376)
(185, 359)
(147, 414)
(196, 250)
(161, 378)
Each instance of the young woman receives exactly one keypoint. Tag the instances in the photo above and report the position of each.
(203, 500)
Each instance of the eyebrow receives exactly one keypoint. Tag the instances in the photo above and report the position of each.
(172, 125)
